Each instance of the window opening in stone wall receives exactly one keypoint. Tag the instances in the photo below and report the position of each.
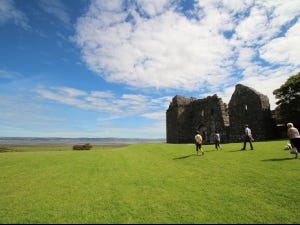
(246, 107)
(202, 112)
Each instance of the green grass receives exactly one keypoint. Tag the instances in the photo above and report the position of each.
(150, 183)
(51, 147)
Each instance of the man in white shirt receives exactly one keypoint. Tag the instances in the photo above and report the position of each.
(294, 137)
(198, 143)
(217, 140)
(248, 137)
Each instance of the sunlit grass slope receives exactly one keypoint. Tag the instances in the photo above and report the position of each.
(151, 183)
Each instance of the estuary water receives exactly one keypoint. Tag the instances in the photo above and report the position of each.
(56, 140)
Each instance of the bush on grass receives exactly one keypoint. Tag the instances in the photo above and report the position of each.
(87, 146)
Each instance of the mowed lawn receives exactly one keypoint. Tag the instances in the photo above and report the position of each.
(151, 183)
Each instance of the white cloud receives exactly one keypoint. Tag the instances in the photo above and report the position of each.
(65, 95)
(9, 75)
(252, 30)
(283, 11)
(152, 45)
(105, 102)
(245, 57)
(113, 5)
(161, 115)
(25, 115)
(166, 51)
(284, 50)
(144, 115)
(9, 13)
(153, 8)
(57, 9)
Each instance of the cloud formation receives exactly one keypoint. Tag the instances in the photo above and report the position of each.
(10, 14)
(212, 45)
(107, 103)
(57, 9)
(9, 75)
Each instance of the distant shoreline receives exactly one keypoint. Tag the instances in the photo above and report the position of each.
(70, 141)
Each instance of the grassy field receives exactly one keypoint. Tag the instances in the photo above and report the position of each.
(150, 183)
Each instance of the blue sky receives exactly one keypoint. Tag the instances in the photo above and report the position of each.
(78, 68)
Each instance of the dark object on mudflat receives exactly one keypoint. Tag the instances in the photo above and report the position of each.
(82, 147)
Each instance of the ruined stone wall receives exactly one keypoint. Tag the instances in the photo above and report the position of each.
(247, 106)
(178, 120)
(208, 115)
(186, 115)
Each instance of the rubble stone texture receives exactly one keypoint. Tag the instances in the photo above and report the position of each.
(187, 115)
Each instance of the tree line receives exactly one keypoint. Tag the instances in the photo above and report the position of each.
(288, 101)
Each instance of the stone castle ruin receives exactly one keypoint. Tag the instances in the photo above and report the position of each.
(246, 106)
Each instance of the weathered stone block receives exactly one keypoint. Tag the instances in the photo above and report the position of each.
(247, 106)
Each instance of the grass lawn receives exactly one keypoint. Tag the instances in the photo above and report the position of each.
(150, 183)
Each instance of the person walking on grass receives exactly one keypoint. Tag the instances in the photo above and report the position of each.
(294, 137)
(198, 143)
(247, 137)
(217, 140)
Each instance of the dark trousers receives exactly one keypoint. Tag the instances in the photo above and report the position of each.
(247, 139)
(295, 142)
(198, 146)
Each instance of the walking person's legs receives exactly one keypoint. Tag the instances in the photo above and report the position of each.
(244, 145)
(201, 150)
(251, 145)
(295, 142)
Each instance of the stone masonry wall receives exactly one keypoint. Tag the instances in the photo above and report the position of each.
(178, 122)
(186, 115)
(208, 115)
(247, 106)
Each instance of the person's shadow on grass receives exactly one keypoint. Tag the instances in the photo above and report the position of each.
(237, 150)
(277, 159)
(186, 156)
